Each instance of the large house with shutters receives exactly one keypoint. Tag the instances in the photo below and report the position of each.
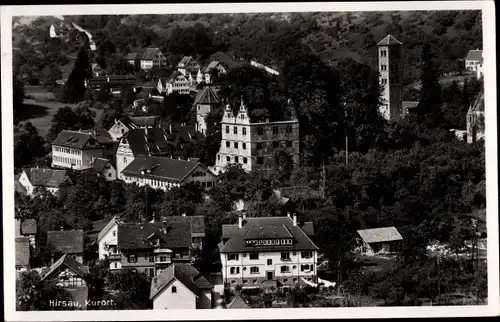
(206, 100)
(472, 60)
(75, 150)
(147, 58)
(265, 251)
(142, 141)
(176, 82)
(252, 144)
(146, 247)
(166, 173)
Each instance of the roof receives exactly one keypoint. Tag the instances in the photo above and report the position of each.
(238, 303)
(28, 227)
(101, 135)
(99, 164)
(378, 235)
(22, 251)
(185, 60)
(479, 103)
(225, 59)
(160, 167)
(147, 142)
(184, 273)
(173, 77)
(135, 236)
(474, 55)
(105, 229)
(18, 186)
(139, 121)
(211, 66)
(197, 222)
(207, 96)
(150, 53)
(45, 177)
(389, 40)
(409, 104)
(186, 132)
(265, 228)
(66, 241)
(68, 261)
(75, 139)
(132, 56)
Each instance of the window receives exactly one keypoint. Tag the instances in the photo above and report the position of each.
(260, 160)
(116, 265)
(228, 144)
(245, 160)
(163, 258)
(260, 131)
(114, 233)
(285, 280)
(132, 258)
(245, 281)
(228, 159)
(174, 289)
(259, 146)
(269, 262)
(276, 144)
(151, 258)
(254, 270)
(383, 67)
(233, 257)
(306, 268)
(275, 130)
(285, 256)
(236, 160)
(234, 270)
(254, 256)
(218, 157)
(284, 269)
(306, 254)
(244, 146)
(227, 129)
(289, 144)
(235, 145)
(244, 130)
(235, 130)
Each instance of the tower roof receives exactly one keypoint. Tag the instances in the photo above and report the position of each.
(389, 40)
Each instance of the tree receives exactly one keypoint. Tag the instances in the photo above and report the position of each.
(18, 99)
(82, 118)
(429, 106)
(119, 66)
(74, 89)
(50, 74)
(131, 290)
(28, 145)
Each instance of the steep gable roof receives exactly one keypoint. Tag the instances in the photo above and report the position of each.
(207, 96)
(160, 167)
(238, 303)
(22, 251)
(213, 64)
(106, 228)
(389, 40)
(377, 235)
(135, 236)
(185, 60)
(45, 177)
(68, 261)
(184, 273)
(99, 164)
(132, 56)
(264, 228)
(150, 53)
(66, 241)
(147, 141)
(476, 55)
(76, 139)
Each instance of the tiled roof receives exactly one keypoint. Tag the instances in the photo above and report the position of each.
(147, 142)
(76, 139)
(44, 177)
(377, 235)
(66, 241)
(28, 227)
(184, 273)
(99, 164)
(101, 135)
(388, 41)
(22, 251)
(238, 303)
(160, 167)
(115, 80)
(207, 96)
(173, 76)
(104, 226)
(132, 56)
(149, 53)
(474, 55)
(186, 132)
(135, 236)
(210, 66)
(272, 227)
(140, 121)
(18, 186)
(408, 105)
(69, 262)
(197, 222)
(225, 59)
(185, 60)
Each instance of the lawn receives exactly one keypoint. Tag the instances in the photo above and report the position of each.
(40, 109)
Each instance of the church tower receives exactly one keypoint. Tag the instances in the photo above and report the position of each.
(390, 67)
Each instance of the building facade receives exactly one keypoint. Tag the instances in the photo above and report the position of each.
(206, 101)
(75, 150)
(177, 82)
(390, 69)
(50, 180)
(275, 249)
(152, 57)
(188, 65)
(473, 59)
(252, 144)
(475, 120)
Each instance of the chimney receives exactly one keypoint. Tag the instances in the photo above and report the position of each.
(295, 219)
(240, 222)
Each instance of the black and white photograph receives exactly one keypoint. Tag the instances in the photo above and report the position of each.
(282, 159)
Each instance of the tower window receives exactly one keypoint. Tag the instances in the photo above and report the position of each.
(228, 144)
(383, 67)
(244, 131)
(227, 129)
(235, 145)
(245, 160)
(235, 130)
(244, 146)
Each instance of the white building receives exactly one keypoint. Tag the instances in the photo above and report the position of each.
(151, 57)
(103, 167)
(75, 150)
(188, 65)
(268, 250)
(480, 69)
(42, 178)
(166, 173)
(122, 126)
(213, 67)
(473, 59)
(390, 69)
(176, 82)
(181, 286)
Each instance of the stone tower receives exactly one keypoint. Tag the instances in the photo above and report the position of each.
(390, 69)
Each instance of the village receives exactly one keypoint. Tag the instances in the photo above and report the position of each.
(256, 260)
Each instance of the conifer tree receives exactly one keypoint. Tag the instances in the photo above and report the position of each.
(74, 90)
